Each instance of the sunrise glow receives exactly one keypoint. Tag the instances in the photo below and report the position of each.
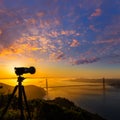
(60, 38)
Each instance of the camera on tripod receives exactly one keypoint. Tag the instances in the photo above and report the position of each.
(23, 70)
(21, 92)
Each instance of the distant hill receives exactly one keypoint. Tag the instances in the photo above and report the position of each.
(31, 91)
(34, 92)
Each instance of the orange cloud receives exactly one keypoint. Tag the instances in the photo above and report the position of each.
(63, 32)
(97, 12)
(67, 32)
(74, 43)
(1, 32)
(31, 21)
(40, 14)
(48, 23)
(54, 34)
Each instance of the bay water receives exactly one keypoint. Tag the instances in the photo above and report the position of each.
(96, 97)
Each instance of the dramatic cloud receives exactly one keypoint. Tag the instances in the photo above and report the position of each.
(85, 60)
(59, 30)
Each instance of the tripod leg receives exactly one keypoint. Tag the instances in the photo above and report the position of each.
(20, 101)
(9, 101)
(27, 107)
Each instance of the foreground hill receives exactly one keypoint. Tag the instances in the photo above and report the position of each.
(61, 109)
(57, 109)
(31, 91)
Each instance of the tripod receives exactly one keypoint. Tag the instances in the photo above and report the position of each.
(21, 93)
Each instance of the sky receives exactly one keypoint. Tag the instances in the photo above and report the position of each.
(61, 38)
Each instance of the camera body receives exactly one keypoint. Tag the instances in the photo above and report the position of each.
(24, 70)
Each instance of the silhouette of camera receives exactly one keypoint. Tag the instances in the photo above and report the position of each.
(24, 70)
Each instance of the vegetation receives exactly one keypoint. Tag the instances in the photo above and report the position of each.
(57, 109)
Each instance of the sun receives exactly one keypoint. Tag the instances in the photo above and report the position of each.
(10, 67)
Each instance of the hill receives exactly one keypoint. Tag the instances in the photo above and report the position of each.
(31, 91)
(63, 109)
(57, 109)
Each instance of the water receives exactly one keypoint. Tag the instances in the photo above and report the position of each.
(94, 97)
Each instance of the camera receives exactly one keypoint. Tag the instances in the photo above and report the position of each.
(24, 70)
